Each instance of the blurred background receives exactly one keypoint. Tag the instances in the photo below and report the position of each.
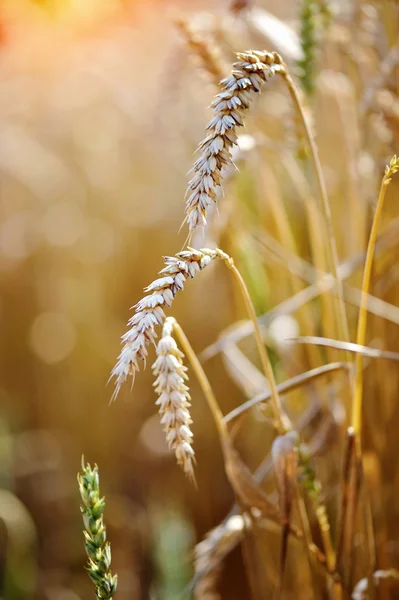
(102, 104)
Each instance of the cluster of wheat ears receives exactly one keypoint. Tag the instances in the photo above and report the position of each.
(299, 497)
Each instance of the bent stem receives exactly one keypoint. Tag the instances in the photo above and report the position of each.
(282, 421)
(341, 316)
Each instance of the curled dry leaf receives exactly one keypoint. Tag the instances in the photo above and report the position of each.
(210, 553)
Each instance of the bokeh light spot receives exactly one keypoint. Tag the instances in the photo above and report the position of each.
(63, 224)
(52, 337)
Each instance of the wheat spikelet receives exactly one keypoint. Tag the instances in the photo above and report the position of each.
(174, 399)
(248, 75)
(149, 311)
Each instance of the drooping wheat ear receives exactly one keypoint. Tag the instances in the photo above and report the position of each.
(97, 548)
(149, 311)
(206, 53)
(174, 398)
(209, 555)
(229, 107)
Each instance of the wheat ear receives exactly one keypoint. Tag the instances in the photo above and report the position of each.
(97, 548)
(229, 107)
(149, 311)
(174, 398)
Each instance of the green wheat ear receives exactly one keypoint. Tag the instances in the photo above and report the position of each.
(307, 64)
(315, 16)
(97, 548)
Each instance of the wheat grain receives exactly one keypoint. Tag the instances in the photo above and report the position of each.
(229, 107)
(174, 398)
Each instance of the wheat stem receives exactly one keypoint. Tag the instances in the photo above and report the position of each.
(282, 421)
(341, 316)
(362, 319)
(202, 379)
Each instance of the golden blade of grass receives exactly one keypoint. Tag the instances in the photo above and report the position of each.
(300, 267)
(341, 316)
(285, 233)
(315, 232)
(348, 347)
(281, 420)
(354, 471)
(285, 387)
(356, 419)
(243, 330)
(243, 372)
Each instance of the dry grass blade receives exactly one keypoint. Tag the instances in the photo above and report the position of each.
(325, 282)
(273, 33)
(248, 492)
(347, 347)
(215, 557)
(286, 387)
(243, 372)
(386, 241)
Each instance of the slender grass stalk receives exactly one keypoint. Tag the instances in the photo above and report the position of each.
(282, 421)
(341, 316)
(97, 548)
(285, 387)
(356, 419)
(351, 478)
